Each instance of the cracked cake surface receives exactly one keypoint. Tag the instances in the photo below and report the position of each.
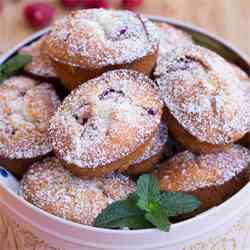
(203, 93)
(54, 189)
(25, 109)
(98, 37)
(106, 119)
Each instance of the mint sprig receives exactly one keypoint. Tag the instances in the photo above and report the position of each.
(14, 65)
(178, 203)
(159, 218)
(124, 213)
(147, 207)
(148, 192)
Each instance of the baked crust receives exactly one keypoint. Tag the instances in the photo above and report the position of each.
(87, 43)
(245, 83)
(206, 104)
(25, 109)
(106, 123)
(212, 178)
(171, 37)
(40, 65)
(153, 153)
(54, 189)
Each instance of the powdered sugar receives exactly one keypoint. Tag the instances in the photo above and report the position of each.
(51, 187)
(25, 110)
(41, 64)
(203, 93)
(188, 172)
(242, 75)
(156, 145)
(117, 124)
(171, 37)
(102, 37)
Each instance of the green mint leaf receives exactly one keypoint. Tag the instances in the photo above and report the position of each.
(148, 191)
(133, 197)
(14, 65)
(178, 203)
(123, 214)
(159, 218)
(146, 208)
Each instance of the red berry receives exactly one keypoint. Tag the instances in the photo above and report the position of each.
(89, 4)
(38, 15)
(131, 4)
(70, 4)
(102, 4)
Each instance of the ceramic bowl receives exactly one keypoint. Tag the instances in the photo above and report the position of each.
(226, 227)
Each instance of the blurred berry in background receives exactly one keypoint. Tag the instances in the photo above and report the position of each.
(40, 14)
(70, 4)
(131, 4)
(89, 4)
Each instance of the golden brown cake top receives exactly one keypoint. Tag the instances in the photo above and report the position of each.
(106, 119)
(98, 37)
(41, 63)
(156, 144)
(188, 172)
(54, 189)
(204, 94)
(25, 109)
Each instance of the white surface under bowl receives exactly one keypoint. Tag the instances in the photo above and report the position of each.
(226, 227)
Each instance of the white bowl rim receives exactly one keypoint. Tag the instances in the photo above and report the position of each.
(193, 220)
